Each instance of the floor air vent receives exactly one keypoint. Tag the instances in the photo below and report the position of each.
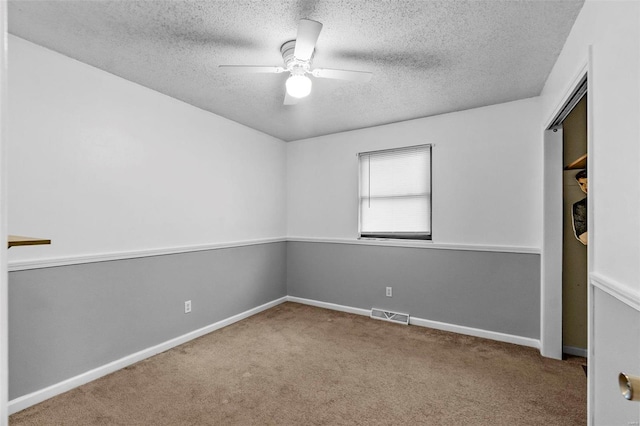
(390, 316)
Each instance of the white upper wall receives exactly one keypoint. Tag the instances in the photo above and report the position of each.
(486, 176)
(102, 165)
(599, 22)
(612, 30)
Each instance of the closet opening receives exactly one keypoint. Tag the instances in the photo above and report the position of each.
(575, 238)
(564, 330)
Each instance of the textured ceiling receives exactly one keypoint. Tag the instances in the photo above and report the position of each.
(427, 57)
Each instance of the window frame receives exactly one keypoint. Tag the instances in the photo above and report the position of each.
(419, 236)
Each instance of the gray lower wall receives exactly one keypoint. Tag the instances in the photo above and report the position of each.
(64, 321)
(616, 341)
(487, 290)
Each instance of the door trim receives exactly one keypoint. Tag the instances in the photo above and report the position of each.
(551, 256)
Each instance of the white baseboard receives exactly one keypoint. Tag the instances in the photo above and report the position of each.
(327, 305)
(36, 397)
(460, 329)
(570, 350)
(477, 332)
(33, 398)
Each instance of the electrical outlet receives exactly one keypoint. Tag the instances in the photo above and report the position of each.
(187, 306)
(389, 292)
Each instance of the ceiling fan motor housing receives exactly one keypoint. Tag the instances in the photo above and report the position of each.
(290, 61)
(297, 56)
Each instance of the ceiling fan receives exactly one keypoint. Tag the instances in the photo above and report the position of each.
(297, 55)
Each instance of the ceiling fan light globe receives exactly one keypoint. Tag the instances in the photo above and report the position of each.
(298, 86)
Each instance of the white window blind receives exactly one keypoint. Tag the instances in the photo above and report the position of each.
(395, 193)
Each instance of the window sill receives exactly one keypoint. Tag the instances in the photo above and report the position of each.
(398, 240)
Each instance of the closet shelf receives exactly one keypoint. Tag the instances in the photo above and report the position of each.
(15, 240)
(580, 163)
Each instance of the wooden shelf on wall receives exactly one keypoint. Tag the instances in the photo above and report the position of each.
(580, 163)
(15, 240)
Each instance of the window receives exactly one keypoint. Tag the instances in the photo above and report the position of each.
(395, 193)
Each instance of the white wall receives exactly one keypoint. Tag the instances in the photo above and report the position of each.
(611, 31)
(609, 26)
(102, 165)
(4, 305)
(486, 176)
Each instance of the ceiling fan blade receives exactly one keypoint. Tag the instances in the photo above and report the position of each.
(289, 100)
(362, 76)
(252, 69)
(308, 32)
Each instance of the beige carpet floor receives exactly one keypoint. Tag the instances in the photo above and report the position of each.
(300, 365)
